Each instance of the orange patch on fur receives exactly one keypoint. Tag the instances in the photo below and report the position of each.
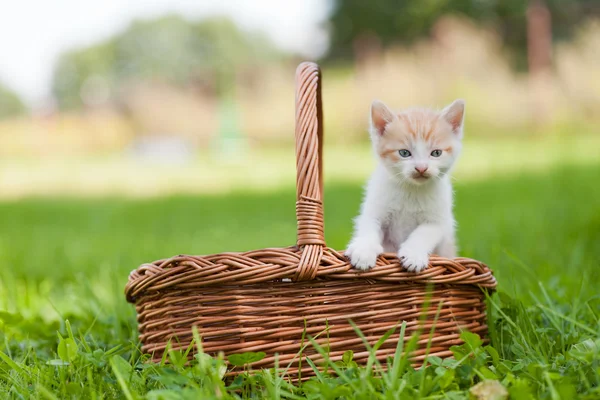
(411, 126)
(429, 133)
(419, 123)
(391, 153)
(407, 124)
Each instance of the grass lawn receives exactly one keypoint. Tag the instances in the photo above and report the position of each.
(67, 259)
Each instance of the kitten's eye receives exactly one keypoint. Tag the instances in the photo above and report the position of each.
(404, 153)
(436, 153)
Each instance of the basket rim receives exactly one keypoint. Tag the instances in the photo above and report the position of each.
(279, 264)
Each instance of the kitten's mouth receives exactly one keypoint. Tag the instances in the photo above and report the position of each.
(420, 178)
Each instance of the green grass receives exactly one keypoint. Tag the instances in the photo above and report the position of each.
(68, 260)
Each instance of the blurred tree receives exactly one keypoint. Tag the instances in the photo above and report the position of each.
(157, 49)
(404, 21)
(78, 67)
(539, 37)
(169, 49)
(10, 103)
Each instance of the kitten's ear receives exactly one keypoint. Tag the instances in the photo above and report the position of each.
(380, 116)
(454, 114)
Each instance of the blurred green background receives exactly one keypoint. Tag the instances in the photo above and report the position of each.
(147, 108)
(174, 134)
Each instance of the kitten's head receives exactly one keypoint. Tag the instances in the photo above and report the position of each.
(417, 146)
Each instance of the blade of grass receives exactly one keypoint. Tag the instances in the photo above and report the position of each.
(120, 379)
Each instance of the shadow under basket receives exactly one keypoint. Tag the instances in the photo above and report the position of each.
(272, 300)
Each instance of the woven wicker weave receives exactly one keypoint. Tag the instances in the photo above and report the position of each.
(264, 300)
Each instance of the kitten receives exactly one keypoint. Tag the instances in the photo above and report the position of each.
(407, 208)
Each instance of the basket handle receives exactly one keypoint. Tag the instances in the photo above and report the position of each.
(309, 169)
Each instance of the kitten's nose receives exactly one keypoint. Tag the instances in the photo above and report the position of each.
(421, 169)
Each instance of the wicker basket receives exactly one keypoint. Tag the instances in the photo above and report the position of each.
(265, 300)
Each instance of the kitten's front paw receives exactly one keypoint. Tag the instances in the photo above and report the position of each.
(363, 256)
(413, 259)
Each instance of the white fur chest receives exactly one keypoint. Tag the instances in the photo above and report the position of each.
(404, 207)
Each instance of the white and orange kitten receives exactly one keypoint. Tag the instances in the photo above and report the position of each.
(407, 208)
